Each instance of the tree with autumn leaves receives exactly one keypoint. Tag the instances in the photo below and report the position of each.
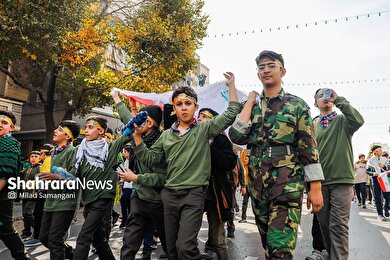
(79, 50)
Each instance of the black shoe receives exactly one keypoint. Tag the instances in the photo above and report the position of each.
(115, 217)
(145, 256)
(242, 221)
(122, 225)
(164, 255)
(387, 213)
(230, 233)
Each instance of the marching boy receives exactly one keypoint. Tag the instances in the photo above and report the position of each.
(185, 147)
(57, 212)
(9, 167)
(28, 202)
(95, 159)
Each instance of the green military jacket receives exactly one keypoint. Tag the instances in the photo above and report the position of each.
(278, 121)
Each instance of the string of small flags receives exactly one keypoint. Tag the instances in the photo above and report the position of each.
(301, 25)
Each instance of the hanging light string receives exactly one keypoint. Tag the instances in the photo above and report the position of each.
(326, 83)
(300, 25)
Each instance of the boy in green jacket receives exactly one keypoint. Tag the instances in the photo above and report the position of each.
(9, 168)
(185, 147)
(95, 159)
(334, 137)
(58, 211)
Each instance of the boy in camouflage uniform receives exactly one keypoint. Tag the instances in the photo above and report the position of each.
(279, 132)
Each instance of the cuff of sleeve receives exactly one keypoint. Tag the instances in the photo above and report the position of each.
(241, 126)
(140, 179)
(120, 104)
(313, 172)
(234, 103)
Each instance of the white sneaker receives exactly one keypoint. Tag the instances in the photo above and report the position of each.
(381, 218)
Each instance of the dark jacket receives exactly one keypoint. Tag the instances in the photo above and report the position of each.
(223, 160)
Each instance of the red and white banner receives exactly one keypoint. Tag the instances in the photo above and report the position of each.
(214, 96)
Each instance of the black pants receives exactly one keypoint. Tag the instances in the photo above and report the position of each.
(125, 203)
(8, 234)
(93, 230)
(55, 225)
(142, 213)
(318, 241)
(107, 223)
(244, 206)
(369, 191)
(28, 215)
(377, 196)
(38, 215)
(183, 211)
(360, 189)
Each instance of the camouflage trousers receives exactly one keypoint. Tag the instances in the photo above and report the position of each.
(277, 210)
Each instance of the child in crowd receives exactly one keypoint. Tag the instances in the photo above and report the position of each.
(185, 148)
(9, 167)
(58, 212)
(28, 201)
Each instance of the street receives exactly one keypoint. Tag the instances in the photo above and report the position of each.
(369, 238)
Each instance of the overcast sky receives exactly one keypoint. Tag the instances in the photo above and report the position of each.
(353, 50)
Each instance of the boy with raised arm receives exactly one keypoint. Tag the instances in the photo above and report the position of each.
(185, 147)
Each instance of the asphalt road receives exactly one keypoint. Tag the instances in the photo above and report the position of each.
(369, 238)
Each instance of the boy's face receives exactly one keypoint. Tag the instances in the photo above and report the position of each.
(93, 131)
(59, 135)
(126, 154)
(185, 110)
(377, 152)
(270, 72)
(6, 125)
(362, 158)
(34, 159)
(321, 103)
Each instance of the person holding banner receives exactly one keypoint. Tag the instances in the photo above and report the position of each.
(278, 130)
(185, 147)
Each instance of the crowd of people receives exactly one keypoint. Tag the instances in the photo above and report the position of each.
(168, 179)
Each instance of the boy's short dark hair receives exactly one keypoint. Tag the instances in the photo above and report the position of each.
(46, 148)
(316, 93)
(8, 114)
(35, 152)
(73, 127)
(269, 55)
(186, 90)
(101, 120)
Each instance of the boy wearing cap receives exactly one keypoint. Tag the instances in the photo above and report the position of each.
(278, 130)
(94, 163)
(185, 148)
(28, 202)
(9, 167)
(219, 199)
(335, 131)
(57, 212)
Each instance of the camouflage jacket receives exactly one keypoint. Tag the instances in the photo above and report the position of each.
(287, 121)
